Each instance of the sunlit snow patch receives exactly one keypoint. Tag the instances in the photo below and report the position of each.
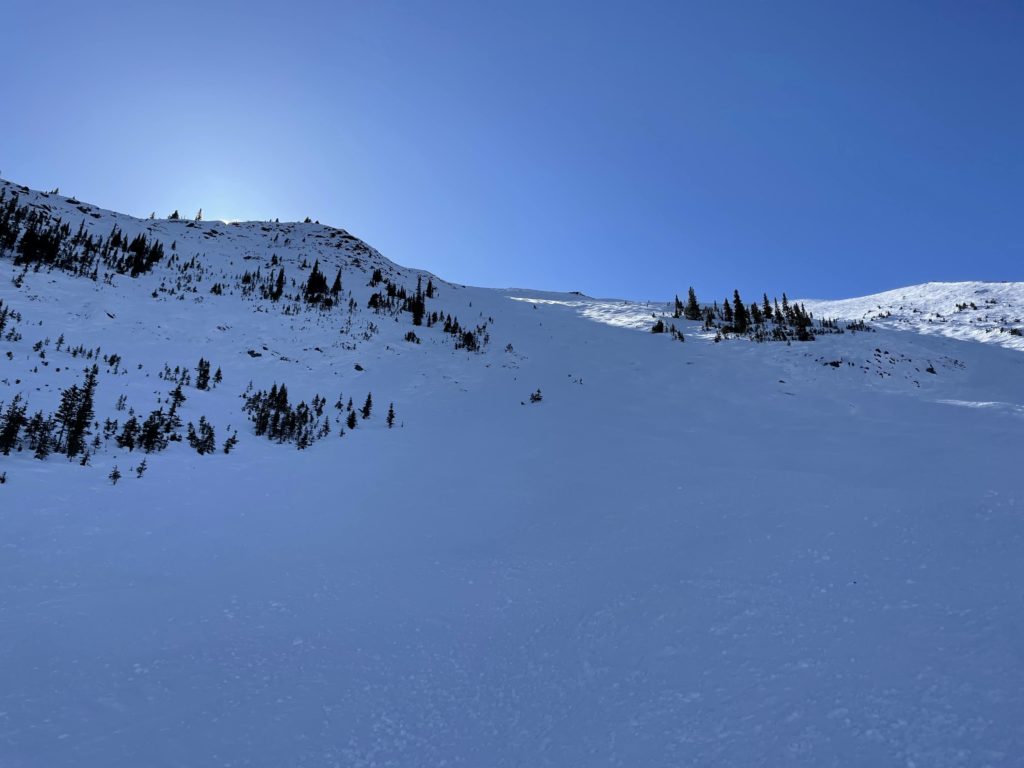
(621, 314)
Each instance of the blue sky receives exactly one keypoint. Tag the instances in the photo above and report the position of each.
(628, 149)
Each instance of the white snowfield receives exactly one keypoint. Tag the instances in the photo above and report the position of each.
(972, 311)
(699, 553)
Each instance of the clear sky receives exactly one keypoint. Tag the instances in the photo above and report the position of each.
(626, 149)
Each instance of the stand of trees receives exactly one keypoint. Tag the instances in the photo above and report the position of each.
(764, 321)
(275, 417)
(38, 240)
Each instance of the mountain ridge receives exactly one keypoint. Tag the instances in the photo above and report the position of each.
(689, 548)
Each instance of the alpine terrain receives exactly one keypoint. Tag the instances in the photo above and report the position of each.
(270, 499)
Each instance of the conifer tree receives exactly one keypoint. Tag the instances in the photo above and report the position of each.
(391, 415)
(203, 374)
(692, 310)
(316, 285)
(278, 286)
(79, 428)
(39, 435)
(367, 406)
(177, 397)
(10, 425)
(741, 318)
(129, 434)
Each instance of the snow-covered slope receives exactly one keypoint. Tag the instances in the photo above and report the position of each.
(690, 553)
(989, 312)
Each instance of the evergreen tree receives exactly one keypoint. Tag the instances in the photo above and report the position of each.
(65, 415)
(39, 435)
(367, 406)
(351, 421)
(203, 374)
(114, 475)
(152, 435)
(316, 285)
(11, 423)
(391, 415)
(202, 440)
(278, 286)
(79, 427)
(741, 318)
(129, 434)
(692, 310)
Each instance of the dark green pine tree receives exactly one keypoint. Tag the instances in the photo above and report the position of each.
(391, 415)
(203, 374)
(65, 415)
(367, 406)
(278, 286)
(692, 310)
(351, 421)
(79, 428)
(316, 285)
(336, 287)
(741, 318)
(39, 432)
(129, 434)
(10, 425)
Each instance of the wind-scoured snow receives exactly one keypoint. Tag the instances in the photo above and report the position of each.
(971, 311)
(687, 553)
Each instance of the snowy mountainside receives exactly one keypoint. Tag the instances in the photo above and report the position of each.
(977, 311)
(692, 549)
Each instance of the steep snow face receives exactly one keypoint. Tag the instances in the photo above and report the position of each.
(686, 553)
(975, 311)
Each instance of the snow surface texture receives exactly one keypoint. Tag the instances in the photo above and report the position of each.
(972, 311)
(693, 553)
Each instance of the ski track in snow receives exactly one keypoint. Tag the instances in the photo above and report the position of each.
(693, 553)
